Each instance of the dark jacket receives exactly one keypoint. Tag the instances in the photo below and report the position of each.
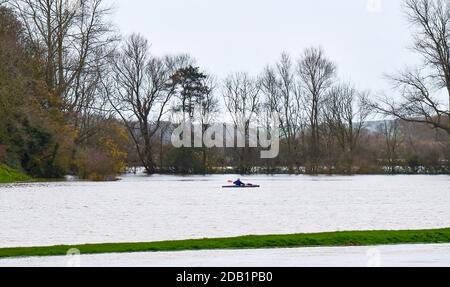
(238, 183)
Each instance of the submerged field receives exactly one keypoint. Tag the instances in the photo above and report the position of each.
(358, 238)
(162, 208)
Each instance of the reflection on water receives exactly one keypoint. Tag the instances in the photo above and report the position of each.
(139, 208)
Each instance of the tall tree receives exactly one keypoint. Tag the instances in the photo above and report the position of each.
(345, 112)
(243, 101)
(32, 133)
(317, 74)
(189, 90)
(280, 85)
(193, 100)
(76, 38)
(139, 90)
(209, 108)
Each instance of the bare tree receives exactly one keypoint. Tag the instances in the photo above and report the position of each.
(209, 105)
(317, 74)
(141, 90)
(209, 108)
(345, 112)
(270, 105)
(74, 38)
(242, 99)
(68, 35)
(280, 87)
(290, 98)
(393, 140)
(421, 87)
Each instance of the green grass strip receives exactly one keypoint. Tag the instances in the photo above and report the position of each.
(330, 239)
(10, 175)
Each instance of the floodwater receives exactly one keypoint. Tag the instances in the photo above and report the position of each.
(142, 209)
(379, 256)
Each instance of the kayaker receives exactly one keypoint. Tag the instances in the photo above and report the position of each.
(239, 182)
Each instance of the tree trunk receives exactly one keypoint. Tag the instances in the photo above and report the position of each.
(448, 125)
(204, 150)
(448, 148)
(149, 165)
(205, 158)
(161, 163)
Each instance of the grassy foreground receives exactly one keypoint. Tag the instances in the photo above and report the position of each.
(352, 238)
(9, 175)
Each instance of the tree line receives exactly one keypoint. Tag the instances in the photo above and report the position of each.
(76, 97)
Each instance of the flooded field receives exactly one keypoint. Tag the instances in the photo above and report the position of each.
(141, 209)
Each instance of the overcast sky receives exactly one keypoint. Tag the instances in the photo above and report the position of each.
(366, 38)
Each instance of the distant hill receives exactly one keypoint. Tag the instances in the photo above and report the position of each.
(374, 126)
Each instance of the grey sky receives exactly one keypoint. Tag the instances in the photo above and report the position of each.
(227, 36)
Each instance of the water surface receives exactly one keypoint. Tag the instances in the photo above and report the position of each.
(379, 256)
(142, 209)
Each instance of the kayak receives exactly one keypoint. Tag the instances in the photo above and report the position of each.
(245, 186)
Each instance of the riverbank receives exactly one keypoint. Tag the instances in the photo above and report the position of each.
(380, 170)
(10, 175)
(330, 239)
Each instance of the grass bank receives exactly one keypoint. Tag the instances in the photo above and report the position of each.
(10, 175)
(352, 238)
